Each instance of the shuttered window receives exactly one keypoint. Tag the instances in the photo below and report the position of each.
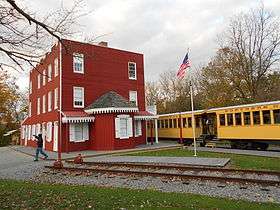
(137, 128)
(123, 127)
(78, 132)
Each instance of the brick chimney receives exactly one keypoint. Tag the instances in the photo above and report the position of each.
(103, 44)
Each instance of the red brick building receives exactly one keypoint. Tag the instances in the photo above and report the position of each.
(86, 97)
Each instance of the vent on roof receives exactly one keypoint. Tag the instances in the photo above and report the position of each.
(103, 44)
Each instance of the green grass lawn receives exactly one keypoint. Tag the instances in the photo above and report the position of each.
(236, 161)
(25, 195)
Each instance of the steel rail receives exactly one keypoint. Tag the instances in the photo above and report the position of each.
(172, 175)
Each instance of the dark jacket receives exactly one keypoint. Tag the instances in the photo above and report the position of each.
(39, 140)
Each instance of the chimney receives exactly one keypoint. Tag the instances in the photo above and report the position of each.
(103, 44)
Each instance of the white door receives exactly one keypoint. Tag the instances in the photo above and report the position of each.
(55, 137)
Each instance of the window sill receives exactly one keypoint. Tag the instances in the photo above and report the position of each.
(78, 72)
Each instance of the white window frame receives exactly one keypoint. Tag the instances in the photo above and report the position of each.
(76, 57)
(49, 72)
(55, 98)
(135, 77)
(49, 132)
(55, 67)
(133, 97)
(38, 106)
(49, 101)
(44, 104)
(39, 81)
(44, 77)
(82, 100)
(73, 132)
(118, 127)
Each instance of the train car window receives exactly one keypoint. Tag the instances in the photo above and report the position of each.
(230, 119)
(197, 122)
(266, 117)
(174, 123)
(247, 118)
(238, 119)
(158, 123)
(276, 115)
(166, 123)
(222, 120)
(170, 123)
(189, 122)
(184, 122)
(256, 117)
(179, 122)
(162, 124)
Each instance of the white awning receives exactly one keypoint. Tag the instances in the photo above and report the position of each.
(111, 110)
(77, 119)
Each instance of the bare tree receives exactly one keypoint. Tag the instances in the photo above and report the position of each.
(253, 40)
(25, 37)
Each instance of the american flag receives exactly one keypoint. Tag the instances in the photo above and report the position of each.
(182, 70)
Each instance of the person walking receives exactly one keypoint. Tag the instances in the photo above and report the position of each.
(39, 149)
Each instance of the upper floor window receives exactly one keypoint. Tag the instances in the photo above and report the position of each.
(30, 109)
(44, 104)
(55, 98)
(55, 67)
(78, 63)
(78, 97)
(50, 101)
(132, 70)
(133, 97)
(39, 80)
(44, 77)
(38, 106)
(50, 73)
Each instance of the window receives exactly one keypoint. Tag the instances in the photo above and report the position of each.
(229, 119)
(256, 118)
(44, 77)
(44, 104)
(133, 97)
(29, 132)
(30, 87)
(123, 126)
(55, 98)
(78, 96)
(184, 122)
(266, 117)
(78, 63)
(166, 123)
(174, 123)
(189, 122)
(138, 128)
(38, 106)
(49, 131)
(247, 118)
(170, 123)
(179, 122)
(50, 101)
(78, 132)
(276, 116)
(162, 124)
(39, 80)
(38, 128)
(222, 120)
(49, 73)
(238, 120)
(132, 70)
(30, 109)
(197, 122)
(158, 123)
(33, 131)
(55, 67)
(22, 132)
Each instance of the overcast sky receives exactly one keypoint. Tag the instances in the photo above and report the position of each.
(160, 29)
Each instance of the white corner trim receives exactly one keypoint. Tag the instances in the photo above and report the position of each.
(110, 110)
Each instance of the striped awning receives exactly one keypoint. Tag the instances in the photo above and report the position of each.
(144, 115)
(76, 117)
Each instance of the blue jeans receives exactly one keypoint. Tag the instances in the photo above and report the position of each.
(40, 149)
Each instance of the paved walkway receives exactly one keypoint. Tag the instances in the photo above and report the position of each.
(194, 161)
(90, 153)
(239, 151)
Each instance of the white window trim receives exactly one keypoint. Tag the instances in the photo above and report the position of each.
(83, 63)
(44, 104)
(83, 97)
(49, 72)
(85, 132)
(55, 98)
(132, 78)
(129, 128)
(49, 101)
(131, 92)
(55, 67)
(39, 81)
(44, 77)
(38, 106)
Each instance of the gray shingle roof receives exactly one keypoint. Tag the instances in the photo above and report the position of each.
(110, 99)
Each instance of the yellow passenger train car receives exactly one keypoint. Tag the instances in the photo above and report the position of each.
(245, 126)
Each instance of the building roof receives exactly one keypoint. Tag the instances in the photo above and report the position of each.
(111, 102)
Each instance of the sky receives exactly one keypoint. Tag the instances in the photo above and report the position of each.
(162, 30)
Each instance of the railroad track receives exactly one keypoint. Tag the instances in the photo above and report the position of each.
(183, 172)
